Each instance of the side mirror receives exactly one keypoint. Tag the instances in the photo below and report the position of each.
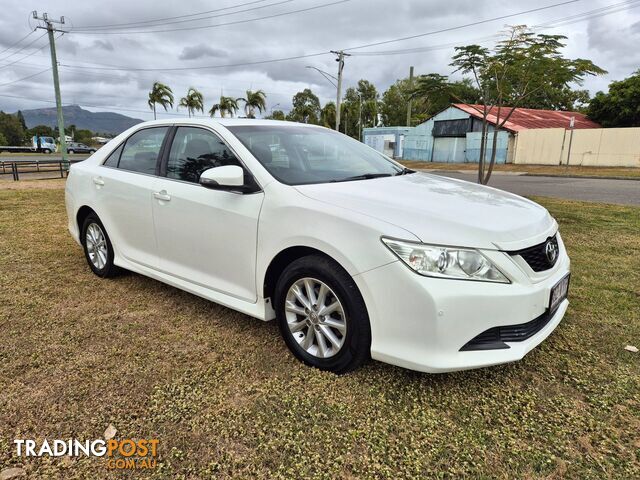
(228, 177)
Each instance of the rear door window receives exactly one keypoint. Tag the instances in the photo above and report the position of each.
(141, 150)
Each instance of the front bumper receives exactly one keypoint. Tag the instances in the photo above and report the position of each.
(422, 323)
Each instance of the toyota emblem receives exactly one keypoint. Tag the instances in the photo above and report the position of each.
(551, 250)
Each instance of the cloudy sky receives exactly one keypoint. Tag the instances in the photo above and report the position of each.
(109, 59)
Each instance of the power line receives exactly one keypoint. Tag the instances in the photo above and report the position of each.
(598, 12)
(472, 24)
(16, 43)
(26, 56)
(204, 67)
(236, 22)
(241, 64)
(25, 78)
(82, 30)
(170, 18)
(26, 46)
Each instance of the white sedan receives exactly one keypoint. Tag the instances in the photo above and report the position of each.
(354, 255)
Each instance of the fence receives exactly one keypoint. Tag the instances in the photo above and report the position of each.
(15, 168)
(593, 147)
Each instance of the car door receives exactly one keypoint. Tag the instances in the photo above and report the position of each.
(124, 186)
(207, 237)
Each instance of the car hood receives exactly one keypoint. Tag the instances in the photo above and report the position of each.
(441, 210)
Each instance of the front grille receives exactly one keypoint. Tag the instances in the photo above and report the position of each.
(495, 338)
(536, 256)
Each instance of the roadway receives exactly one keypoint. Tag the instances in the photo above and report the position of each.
(623, 192)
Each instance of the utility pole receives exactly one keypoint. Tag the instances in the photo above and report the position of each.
(409, 102)
(340, 61)
(51, 29)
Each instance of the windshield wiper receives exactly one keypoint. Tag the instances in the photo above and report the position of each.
(365, 176)
(405, 171)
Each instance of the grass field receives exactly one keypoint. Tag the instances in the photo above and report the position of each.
(579, 171)
(225, 398)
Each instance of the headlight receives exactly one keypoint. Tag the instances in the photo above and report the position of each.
(446, 262)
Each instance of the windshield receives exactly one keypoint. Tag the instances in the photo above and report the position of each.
(304, 155)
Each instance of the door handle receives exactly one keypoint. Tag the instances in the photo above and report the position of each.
(162, 195)
(98, 181)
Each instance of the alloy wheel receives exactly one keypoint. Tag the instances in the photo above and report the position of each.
(96, 246)
(315, 317)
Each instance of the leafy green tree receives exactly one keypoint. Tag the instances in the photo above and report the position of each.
(193, 101)
(3, 139)
(21, 119)
(394, 102)
(522, 65)
(162, 95)
(83, 135)
(227, 105)
(40, 130)
(328, 115)
(276, 115)
(254, 101)
(620, 107)
(11, 129)
(306, 108)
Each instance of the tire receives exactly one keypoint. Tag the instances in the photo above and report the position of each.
(46, 150)
(91, 152)
(350, 345)
(101, 263)
(70, 151)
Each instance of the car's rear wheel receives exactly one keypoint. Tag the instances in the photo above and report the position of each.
(97, 247)
(322, 316)
(70, 151)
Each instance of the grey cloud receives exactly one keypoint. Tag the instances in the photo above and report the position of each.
(201, 51)
(102, 44)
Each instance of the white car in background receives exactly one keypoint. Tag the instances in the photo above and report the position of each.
(353, 254)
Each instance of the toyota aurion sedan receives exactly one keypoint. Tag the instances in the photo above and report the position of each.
(354, 255)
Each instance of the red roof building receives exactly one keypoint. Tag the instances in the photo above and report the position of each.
(528, 118)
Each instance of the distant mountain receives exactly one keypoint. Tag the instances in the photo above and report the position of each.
(102, 122)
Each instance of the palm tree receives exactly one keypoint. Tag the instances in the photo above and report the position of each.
(254, 101)
(227, 105)
(160, 94)
(193, 102)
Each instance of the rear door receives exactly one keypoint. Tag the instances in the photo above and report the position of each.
(207, 237)
(125, 186)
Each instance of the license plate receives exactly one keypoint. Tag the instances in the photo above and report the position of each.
(559, 293)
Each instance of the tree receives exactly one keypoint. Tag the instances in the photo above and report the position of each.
(328, 115)
(306, 107)
(21, 119)
(162, 95)
(522, 65)
(620, 107)
(276, 115)
(11, 129)
(254, 101)
(394, 101)
(193, 101)
(41, 131)
(227, 105)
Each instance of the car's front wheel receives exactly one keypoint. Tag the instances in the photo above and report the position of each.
(322, 316)
(70, 151)
(97, 247)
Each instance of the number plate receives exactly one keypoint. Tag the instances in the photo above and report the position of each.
(559, 293)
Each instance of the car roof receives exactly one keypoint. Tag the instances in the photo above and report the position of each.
(227, 122)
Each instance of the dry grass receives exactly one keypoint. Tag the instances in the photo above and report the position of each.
(225, 397)
(534, 169)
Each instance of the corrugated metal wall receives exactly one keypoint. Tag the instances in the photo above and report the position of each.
(422, 146)
(605, 147)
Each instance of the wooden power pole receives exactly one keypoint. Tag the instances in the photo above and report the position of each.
(51, 29)
(409, 102)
